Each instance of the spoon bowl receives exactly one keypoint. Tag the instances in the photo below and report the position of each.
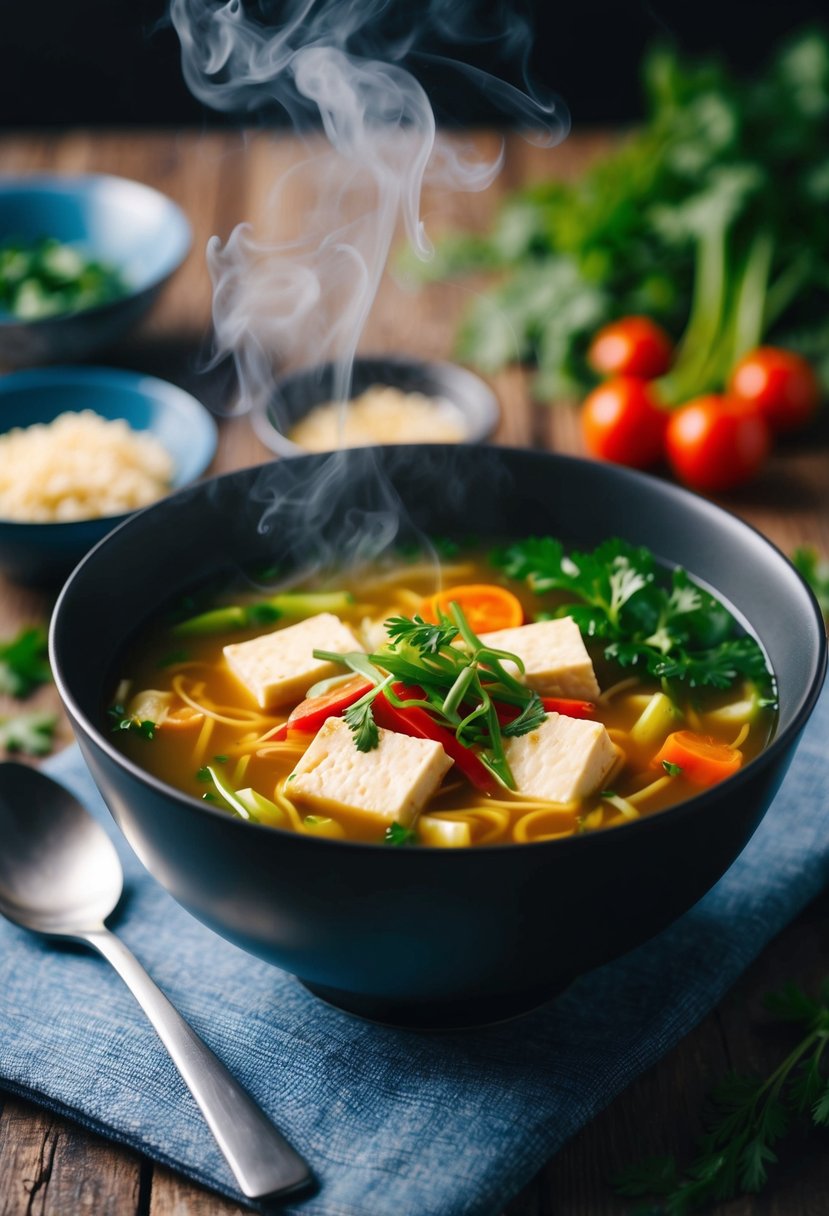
(59, 871)
(60, 876)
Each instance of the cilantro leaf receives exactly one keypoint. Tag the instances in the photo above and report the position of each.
(397, 835)
(360, 720)
(23, 662)
(425, 637)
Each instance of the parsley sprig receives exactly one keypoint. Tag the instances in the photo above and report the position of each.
(23, 662)
(747, 1116)
(459, 686)
(32, 734)
(121, 720)
(664, 624)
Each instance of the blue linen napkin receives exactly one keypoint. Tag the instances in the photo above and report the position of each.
(390, 1120)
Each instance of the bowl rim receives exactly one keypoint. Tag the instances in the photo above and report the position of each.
(75, 184)
(779, 742)
(277, 441)
(163, 391)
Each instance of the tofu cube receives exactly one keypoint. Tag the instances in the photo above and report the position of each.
(565, 760)
(277, 668)
(394, 781)
(555, 657)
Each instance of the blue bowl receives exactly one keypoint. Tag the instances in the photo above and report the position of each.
(44, 553)
(134, 228)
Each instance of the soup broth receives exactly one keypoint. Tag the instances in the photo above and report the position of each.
(181, 713)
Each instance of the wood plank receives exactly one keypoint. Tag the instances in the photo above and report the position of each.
(173, 1195)
(49, 1167)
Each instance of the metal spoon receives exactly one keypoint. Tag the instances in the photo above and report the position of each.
(60, 876)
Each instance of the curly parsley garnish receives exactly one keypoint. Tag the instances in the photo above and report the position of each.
(660, 622)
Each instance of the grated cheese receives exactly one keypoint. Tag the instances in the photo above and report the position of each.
(80, 466)
(379, 415)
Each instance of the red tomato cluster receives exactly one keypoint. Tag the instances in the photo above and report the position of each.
(712, 443)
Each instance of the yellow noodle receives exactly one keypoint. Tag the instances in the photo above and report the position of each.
(239, 771)
(268, 733)
(649, 790)
(742, 736)
(618, 687)
(280, 749)
(249, 717)
(479, 814)
(520, 804)
(285, 804)
(204, 738)
(623, 805)
(525, 828)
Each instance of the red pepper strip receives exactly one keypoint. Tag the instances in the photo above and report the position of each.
(552, 705)
(568, 706)
(310, 714)
(421, 725)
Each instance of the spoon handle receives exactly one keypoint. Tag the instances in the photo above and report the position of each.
(262, 1161)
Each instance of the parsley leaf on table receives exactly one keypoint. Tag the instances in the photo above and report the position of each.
(23, 662)
(31, 733)
(745, 1118)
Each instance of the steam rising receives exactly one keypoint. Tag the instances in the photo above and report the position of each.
(339, 62)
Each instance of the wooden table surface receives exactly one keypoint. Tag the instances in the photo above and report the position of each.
(51, 1167)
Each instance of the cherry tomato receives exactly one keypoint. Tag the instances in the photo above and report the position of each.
(632, 346)
(780, 384)
(621, 421)
(716, 442)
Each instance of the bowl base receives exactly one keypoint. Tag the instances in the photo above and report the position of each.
(464, 1014)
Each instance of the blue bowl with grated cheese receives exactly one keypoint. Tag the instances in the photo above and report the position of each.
(43, 550)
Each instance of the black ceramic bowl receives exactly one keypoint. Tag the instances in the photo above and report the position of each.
(428, 936)
(294, 395)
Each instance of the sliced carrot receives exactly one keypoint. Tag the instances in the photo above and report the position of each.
(183, 718)
(703, 760)
(486, 606)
